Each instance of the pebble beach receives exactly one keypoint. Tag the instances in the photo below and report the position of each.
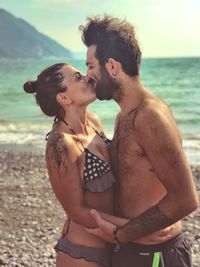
(31, 218)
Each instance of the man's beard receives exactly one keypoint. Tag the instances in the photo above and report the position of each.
(106, 86)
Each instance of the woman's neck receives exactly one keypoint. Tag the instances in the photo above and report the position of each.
(77, 120)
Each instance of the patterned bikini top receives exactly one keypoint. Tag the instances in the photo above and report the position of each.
(97, 175)
(94, 166)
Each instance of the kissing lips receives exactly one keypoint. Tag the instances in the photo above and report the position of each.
(92, 83)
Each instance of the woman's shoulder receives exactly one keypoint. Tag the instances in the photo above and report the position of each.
(95, 120)
(62, 142)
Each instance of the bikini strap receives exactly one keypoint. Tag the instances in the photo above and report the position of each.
(96, 131)
(104, 138)
(71, 129)
(56, 119)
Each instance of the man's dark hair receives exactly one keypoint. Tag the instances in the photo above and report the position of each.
(114, 38)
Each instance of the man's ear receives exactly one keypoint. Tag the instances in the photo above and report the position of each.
(112, 67)
(63, 99)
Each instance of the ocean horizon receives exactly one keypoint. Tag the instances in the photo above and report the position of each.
(175, 80)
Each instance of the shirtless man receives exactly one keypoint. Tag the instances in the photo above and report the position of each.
(155, 184)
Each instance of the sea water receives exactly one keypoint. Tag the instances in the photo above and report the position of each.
(175, 80)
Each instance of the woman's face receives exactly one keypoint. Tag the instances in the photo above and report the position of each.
(78, 89)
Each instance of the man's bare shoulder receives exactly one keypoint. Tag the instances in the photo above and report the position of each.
(155, 123)
(151, 112)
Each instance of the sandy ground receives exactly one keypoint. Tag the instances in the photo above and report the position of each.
(31, 218)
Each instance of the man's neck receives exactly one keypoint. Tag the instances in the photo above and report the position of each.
(130, 95)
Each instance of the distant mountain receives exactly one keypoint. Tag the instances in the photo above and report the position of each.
(19, 39)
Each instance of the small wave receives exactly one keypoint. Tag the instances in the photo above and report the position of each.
(35, 140)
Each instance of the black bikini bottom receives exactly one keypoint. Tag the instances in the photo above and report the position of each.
(102, 256)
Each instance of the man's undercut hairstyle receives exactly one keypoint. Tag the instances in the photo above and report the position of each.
(114, 38)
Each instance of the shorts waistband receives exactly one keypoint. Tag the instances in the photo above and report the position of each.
(138, 248)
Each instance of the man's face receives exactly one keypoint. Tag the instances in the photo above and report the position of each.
(93, 67)
(104, 85)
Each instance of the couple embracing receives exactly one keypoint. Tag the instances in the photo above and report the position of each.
(124, 197)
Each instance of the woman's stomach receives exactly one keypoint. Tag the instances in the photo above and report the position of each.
(77, 234)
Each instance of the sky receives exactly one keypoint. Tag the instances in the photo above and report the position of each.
(164, 28)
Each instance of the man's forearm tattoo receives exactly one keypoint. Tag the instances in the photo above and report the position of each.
(148, 222)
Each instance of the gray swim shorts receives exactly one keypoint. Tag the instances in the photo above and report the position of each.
(175, 252)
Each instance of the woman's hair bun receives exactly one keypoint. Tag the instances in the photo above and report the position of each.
(30, 87)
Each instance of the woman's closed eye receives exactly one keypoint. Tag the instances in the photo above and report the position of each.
(90, 67)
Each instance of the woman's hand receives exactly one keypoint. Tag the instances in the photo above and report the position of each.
(157, 237)
(105, 231)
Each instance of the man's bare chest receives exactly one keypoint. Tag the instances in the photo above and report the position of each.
(125, 148)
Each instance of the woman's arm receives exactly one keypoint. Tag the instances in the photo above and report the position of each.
(62, 163)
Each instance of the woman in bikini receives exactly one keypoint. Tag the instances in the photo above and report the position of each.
(77, 157)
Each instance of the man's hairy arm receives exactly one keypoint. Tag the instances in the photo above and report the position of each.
(148, 222)
(157, 135)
